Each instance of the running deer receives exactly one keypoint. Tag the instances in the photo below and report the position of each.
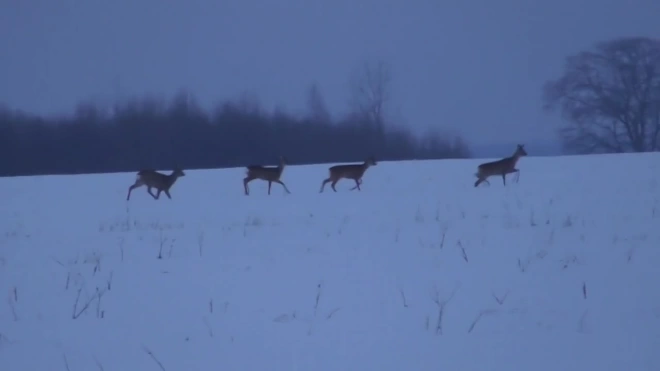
(271, 174)
(154, 179)
(349, 171)
(501, 167)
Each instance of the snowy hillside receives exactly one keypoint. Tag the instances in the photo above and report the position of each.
(418, 271)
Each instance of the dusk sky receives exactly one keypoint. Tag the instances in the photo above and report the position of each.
(475, 66)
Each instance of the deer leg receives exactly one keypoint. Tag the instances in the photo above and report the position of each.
(130, 189)
(167, 193)
(324, 183)
(138, 183)
(158, 194)
(151, 193)
(334, 182)
(283, 185)
(517, 175)
(357, 185)
(482, 180)
(269, 184)
(245, 185)
(504, 178)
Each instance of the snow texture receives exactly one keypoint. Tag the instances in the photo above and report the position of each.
(418, 271)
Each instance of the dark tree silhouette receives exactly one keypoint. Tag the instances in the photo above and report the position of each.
(154, 133)
(610, 97)
(318, 112)
(370, 93)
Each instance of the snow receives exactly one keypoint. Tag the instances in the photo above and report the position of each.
(556, 272)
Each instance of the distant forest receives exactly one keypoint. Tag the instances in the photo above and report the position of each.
(158, 134)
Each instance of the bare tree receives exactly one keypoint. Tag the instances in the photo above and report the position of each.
(610, 97)
(316, 105)
(370, 92)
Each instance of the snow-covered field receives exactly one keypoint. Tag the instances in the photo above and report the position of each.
(418, 271)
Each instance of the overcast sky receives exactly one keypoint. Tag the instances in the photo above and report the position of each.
(473, 65)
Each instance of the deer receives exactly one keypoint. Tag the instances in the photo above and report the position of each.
(271, 174)
(154, 179)
(501, 167)
(348, 171)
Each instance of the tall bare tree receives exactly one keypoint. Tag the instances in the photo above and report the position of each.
(370, 92)
(318, 110)
(610, 97)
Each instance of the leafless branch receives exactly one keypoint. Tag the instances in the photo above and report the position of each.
(12, 306)
(582, 323)
(318, 298)
(371, 91)
(66, 362)
(332, 313)
(501, 300)
(151, 354)
(97, 296)
(200, 242)
(479, 316)
(208, 326)
(403, 298)
(441, 307)
(442, 239)
(463, 252)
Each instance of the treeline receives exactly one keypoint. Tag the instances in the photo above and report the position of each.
(158, 134)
